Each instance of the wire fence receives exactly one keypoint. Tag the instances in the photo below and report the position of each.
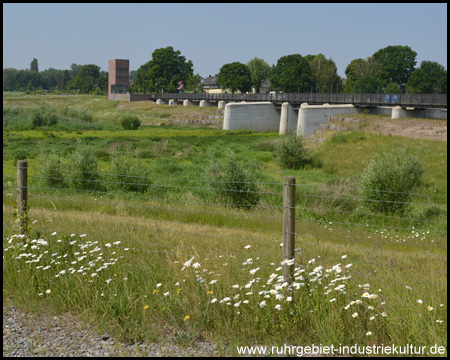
(164, 217)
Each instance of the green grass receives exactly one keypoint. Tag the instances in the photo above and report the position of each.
(402, 260)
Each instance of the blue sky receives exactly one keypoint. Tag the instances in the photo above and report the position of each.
(212, 35)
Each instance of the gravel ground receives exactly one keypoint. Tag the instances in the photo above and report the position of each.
(37, 335)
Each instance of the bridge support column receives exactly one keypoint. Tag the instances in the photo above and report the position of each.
(172, 102)
(311, 116)
(288, 119)
(187, 103)
(204, 103)
(221, 104)
(399, 112)
(254, 116)
(161, 102)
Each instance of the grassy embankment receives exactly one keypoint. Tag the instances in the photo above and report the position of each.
(389, 253)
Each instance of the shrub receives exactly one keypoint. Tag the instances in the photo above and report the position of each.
(52, 171)
(388, 180)
(45, 114)
(235, 181)
(291, 153)
(127, 172)
(77, 112)
(130, 122)
(84, 167)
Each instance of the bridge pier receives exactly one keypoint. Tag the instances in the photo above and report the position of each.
(161, 102)
(288, 119)
(187, 103)
(399, 112)
(254, 116)
(204, 103)
(221, 104)
(311, 116)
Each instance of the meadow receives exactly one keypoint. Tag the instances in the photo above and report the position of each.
(148, 244)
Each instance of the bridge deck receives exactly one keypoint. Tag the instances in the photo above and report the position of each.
(404, 100)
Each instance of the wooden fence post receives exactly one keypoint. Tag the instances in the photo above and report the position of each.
(22, 198)
(288, 226)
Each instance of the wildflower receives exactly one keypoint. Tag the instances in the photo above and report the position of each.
(383, 314)
(213, 300)
(186, 318)
(368, 333)
(247, 247)
(372, 318)
(178, 291)
(262, 304)
(279, 297)
(82, 235)
(333, 300)
(439, 321)
(289, 298)
(211, 282)
(358, 301)
(196, 265)
(188, 263)
(54, 233)
(48, 291)
(355, 315)
(108, 245)
(245, 301)
(278, 307)
(155, 291)
(237, 304)
(419, 301)
(430, 308)
(236, 286)
(158, 285)
(371, 307)
(347, 306)
(254, 271)
(40, 294)
(343, 256)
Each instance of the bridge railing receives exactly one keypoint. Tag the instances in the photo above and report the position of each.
(413, 100)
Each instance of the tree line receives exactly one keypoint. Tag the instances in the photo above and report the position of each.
(85, 79)
(389, 70)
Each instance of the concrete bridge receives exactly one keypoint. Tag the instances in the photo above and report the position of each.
(303, 113)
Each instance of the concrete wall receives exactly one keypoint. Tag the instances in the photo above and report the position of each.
(288, 119)
(399, 112)
(254, 116)
(204, 103)
(311, 116)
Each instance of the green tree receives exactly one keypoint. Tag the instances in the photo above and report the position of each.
(65, 77)
(429, 78)
(87, 79)
(235, 76)
(74, 70)
(194, 84)
(162, 73)
(362, 76)
(9, 79)
(396, 63)
(392, 88)
(259, 71)
(324, 72)
(292, 73)
(34, 65)
(30, 87)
